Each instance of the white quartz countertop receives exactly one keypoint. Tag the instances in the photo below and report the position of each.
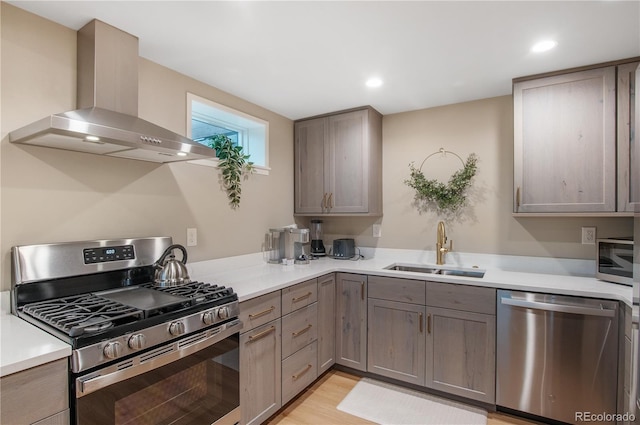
(23, 346)
(250, 276)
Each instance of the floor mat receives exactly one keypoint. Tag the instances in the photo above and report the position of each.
(389, 404)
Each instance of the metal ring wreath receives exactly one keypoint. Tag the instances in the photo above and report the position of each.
(447, 197)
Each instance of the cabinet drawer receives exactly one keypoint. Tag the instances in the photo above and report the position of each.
(394, 289)
(299, 329)
(461, 297)
(300, 295)
(260, 310)
(298, 371)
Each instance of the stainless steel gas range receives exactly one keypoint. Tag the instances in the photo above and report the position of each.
(141, 354)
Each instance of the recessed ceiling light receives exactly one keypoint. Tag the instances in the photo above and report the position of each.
(543, 46)
(182, 154)
(374, 82)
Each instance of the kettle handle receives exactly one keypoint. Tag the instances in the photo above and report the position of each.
(168, 251)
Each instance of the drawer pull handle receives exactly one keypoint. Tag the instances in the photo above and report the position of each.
(262, 313)
(301, 297)
(420, 320)
(261, 334)
(362, 291)
(301, 331)
(299, 374)
(428, 323)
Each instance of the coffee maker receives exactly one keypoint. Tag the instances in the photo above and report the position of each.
(287, 245)
(317, 246)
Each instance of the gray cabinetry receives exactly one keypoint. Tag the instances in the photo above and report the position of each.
(36, 395)
(326, 322)
(461, 340)
(260, 358)
(299, 338)
(396, 340)
(565, 143)
(338, 164)
(628, 142)
(351, 321)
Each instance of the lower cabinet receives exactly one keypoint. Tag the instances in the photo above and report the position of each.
(461, 340)
(461, 353)
(326, 322)
(39, 395)
(260, 366)
(396, 341)
(351, 321)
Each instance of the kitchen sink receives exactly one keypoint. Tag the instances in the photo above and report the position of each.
(419, 268)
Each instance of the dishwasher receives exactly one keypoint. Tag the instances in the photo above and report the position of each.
(557, 356)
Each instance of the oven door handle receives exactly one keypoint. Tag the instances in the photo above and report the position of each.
(166, 354)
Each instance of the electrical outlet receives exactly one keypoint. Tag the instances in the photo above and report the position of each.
(588, 236)
(377, 230)
(192, 236)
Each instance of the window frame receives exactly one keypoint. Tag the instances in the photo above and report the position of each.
(258, 169)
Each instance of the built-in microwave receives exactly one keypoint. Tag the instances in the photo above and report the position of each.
(615, 260)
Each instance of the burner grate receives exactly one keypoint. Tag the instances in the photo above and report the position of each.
(198, 292)
(81, 314)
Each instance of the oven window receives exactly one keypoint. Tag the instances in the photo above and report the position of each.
(198, 389)
(616, 259)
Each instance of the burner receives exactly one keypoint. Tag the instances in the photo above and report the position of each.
(197, 292)
(96, 324)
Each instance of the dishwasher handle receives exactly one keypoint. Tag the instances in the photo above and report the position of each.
(560, 308)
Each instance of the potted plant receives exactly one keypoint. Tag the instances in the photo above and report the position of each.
(233, 165)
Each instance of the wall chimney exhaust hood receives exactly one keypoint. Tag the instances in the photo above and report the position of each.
(106, 121)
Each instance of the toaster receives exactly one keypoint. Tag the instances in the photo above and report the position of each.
(344, 249)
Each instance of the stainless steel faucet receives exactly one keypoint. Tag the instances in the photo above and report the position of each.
(441, 241)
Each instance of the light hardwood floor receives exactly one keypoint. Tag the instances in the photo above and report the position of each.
(318, 405)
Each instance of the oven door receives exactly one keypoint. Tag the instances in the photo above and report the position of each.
(191, 381)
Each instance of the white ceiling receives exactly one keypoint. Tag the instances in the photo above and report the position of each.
(302, 58)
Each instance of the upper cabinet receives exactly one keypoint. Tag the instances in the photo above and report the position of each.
(628, 149)
(572, 141)
(338, 164)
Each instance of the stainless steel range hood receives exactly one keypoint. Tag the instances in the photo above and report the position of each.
(107, 122)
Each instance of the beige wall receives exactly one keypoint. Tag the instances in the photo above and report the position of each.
(53, 195)
(487, 226)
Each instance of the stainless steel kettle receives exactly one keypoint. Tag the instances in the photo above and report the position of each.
(169, 271)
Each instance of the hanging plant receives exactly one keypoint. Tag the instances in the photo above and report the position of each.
(233, 165)
(447, 197)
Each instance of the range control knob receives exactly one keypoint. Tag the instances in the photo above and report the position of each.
(209, 317)
(137, 342)
(223, 312)
(176, 328)
(112, 350)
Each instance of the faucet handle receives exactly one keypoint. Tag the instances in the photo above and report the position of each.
(450, 245)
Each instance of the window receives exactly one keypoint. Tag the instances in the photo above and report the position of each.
(206, 118)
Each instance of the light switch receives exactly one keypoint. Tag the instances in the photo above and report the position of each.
(377, 230)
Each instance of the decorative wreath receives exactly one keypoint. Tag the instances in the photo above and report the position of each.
(450, 196)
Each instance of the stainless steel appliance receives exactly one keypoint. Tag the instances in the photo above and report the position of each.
(635, 312)
(106, 121)
(344, 249)
(169, 271)
(317, 245)
(557, 356)
(140, 353)
(615, 260)
(287, 245)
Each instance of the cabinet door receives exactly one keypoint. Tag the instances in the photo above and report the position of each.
(396, 341)
(628, 149)
(260, 372)
(461, 353)
(565, 143)
(351, 324)
(347, 155)
(310, 137)
(326, 322)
